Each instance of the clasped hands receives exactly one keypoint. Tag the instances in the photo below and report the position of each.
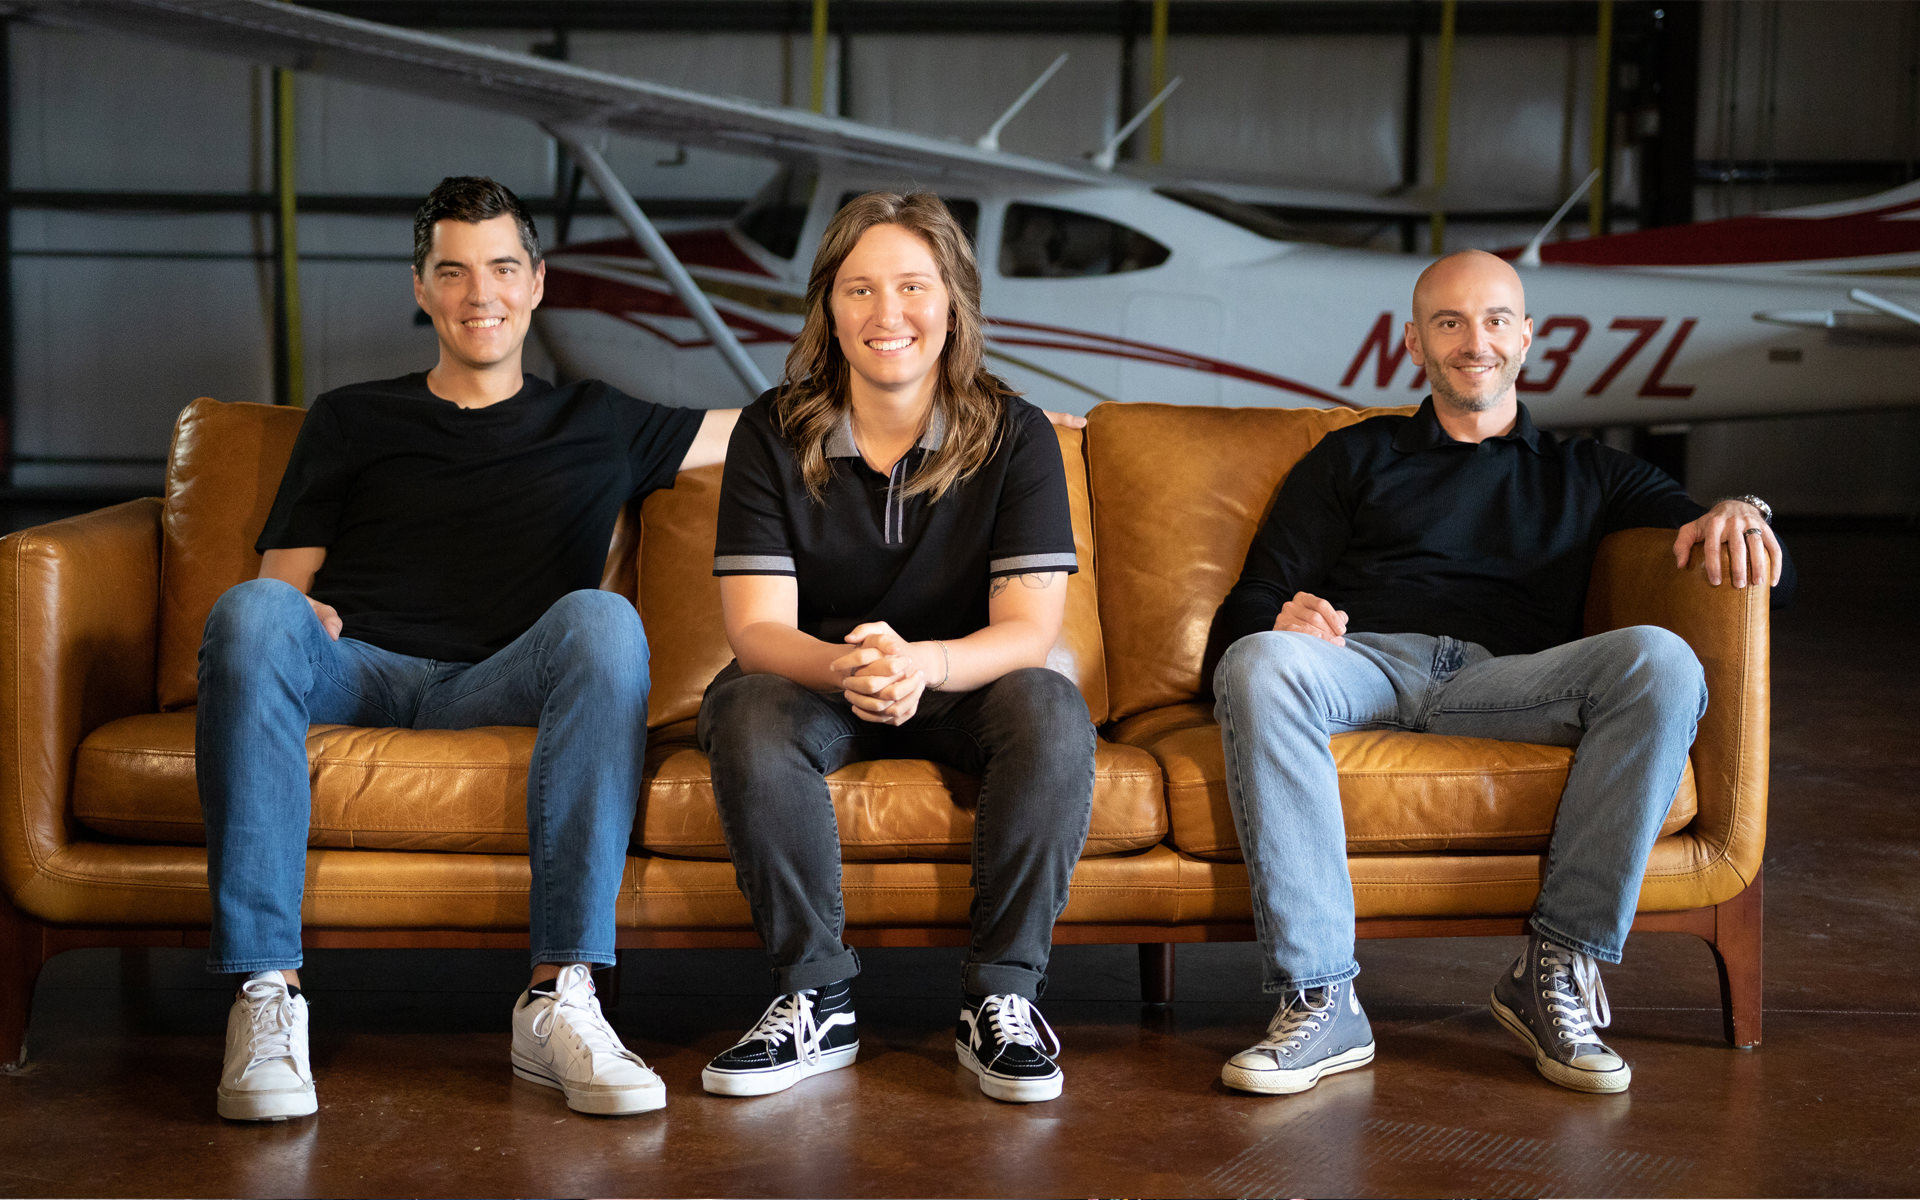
(880, 677)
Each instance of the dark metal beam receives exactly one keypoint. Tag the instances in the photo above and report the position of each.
(330, 204)
(1117, 17)
(7, 343)
(1669, 51)
(1712, 171)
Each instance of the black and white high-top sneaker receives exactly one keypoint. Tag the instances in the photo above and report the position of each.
(801, 1034)
(1009, 1045)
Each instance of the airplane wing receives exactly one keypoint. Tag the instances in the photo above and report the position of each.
(1307, 198)
(541, 90)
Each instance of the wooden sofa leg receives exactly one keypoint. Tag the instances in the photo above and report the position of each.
(1737, 950)
(1156, 972)
(22, 954)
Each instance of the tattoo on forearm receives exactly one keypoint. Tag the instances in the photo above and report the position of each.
(1039, 581)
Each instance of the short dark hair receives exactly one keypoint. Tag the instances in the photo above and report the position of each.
(473, 199)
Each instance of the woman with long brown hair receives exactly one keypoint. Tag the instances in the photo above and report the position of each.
(893, 547)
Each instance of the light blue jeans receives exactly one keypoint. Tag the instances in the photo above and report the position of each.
(1629, 700)
(268, 670)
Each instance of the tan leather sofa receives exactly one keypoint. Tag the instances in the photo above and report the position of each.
(418, 837)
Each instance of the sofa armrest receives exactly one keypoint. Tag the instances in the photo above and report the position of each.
(79, 617)
(1635, 583)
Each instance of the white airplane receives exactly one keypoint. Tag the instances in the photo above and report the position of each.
(1097, 286)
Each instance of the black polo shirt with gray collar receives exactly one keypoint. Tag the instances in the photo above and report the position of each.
(1410, 531)
(870, 552)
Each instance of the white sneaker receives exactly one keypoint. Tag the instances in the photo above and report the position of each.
(267, 1076)
(563, 1041)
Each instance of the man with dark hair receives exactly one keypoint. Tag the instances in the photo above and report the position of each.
(1427, 573)
(431, 561)
(472, 199)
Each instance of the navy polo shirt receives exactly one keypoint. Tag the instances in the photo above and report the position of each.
(1410, 531)
(870, 552)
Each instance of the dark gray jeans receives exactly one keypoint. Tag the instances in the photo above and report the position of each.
(1027, 735)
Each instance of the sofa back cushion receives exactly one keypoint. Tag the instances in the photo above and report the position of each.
(222, 474)
(680, 598)
(1180, 491)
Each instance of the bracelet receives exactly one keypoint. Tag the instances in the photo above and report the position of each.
(1766, 510)
(946, 664)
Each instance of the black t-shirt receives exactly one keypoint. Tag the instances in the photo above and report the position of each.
(1410, 531)
(871, 553)
(450, 530)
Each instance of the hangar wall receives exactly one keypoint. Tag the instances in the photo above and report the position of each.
(142, 243)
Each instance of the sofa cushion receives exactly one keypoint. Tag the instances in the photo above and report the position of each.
(892, 808)
(680, 598)
(1183, 490)
(465, 790)
(222, 473)
(1400, 792)
(383, 789)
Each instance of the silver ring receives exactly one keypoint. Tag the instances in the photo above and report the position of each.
(1753, 532)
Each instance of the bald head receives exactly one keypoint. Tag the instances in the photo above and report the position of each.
(1470, 331)
(1472, 269)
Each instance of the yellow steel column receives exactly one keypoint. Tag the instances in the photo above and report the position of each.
(289, 243)
(1597, 154)
(1442, 103)
(1156, 124)
(820, 56)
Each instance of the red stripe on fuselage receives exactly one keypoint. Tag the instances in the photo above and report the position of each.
(631, 302)
(1164, 355)
(573, 289)
(711, 248)
(1756, 239)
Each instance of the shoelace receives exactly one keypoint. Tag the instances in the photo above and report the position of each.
(1015, 1021)
(1576, 997)
(573, 991)
(789, 1016)
(271, 1034)
(1295, 1021)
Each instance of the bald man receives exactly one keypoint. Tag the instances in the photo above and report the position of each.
(1428, 573)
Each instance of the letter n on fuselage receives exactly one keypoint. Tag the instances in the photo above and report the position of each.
(1385, 341)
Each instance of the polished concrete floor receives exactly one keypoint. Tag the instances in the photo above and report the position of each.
(416, 1098)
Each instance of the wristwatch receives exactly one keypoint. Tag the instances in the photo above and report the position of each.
(1766, 510)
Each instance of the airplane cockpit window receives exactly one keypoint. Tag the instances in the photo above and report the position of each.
(1053, 243)
(966, 212)
(775, 217)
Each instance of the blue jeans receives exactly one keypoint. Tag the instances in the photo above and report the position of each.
(772, 744)
(268, 670)
(1628, 700)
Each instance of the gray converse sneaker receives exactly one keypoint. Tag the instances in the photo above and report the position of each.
(562, 1040)
(1319, 1031)
(1553, 1001)
(267, 1076)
